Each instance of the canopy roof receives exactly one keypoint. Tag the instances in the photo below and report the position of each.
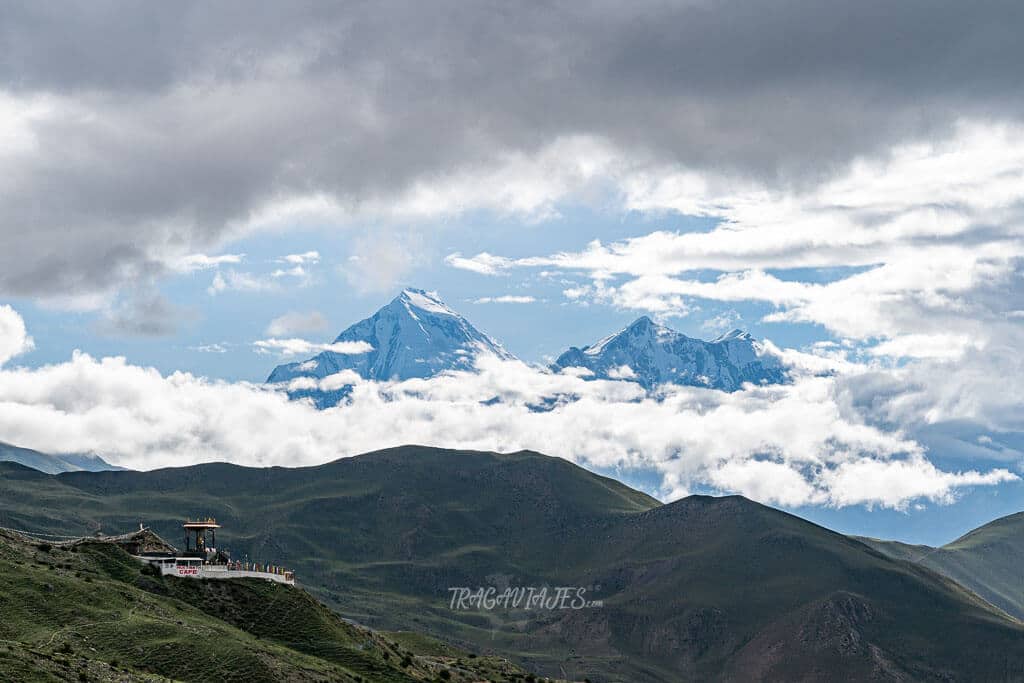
(201, 524)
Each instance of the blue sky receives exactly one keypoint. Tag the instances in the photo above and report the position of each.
(536, 331)
(214, 332)
(282, 174)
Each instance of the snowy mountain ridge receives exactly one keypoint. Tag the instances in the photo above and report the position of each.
(417, 335)
(655, 354)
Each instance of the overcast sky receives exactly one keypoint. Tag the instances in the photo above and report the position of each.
(181, 183)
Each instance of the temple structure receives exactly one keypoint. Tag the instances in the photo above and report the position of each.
(201, 558)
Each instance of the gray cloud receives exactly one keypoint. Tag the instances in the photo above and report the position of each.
(297, 322)
(146, 314)
(147, 132)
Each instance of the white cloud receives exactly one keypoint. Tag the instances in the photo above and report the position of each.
(14, 339)
(217, 347)
(483, 263)
(722, 322)
(576, 293)
(339, 380)
(193, 262)
(294, 271)
(947, 346)
(294, 322)
(239, 282)
(301, 347)
(309, 257)
(865, 481)
(622, 372)
(527, 185)
(930, 223)
(505, 299)
(804, 443)
(381, 259)
(766, 480)
(303, 384)
(574, 371)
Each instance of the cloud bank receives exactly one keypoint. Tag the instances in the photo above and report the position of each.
(804, 443)
(912, 266)
(314, 114)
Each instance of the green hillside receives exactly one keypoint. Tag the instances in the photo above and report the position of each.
(702, 589)
(92, 613)
(988, 560)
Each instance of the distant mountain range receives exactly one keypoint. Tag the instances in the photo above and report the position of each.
(53, 464)
(700, 589)
(418, 335)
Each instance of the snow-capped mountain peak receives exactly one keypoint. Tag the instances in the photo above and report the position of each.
(428, 302)
(656, 354)
(641, 328)
(733, 335)
(415, 335)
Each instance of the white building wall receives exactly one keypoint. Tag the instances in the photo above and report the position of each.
(197, 570)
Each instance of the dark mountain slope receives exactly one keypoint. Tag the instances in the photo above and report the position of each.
(737, 588)
(703, 588)
(988, 560)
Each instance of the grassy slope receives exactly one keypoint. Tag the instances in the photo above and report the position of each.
(93, 614)
(24, 664)
(988, 560)
(78, 604)
(702, 588)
